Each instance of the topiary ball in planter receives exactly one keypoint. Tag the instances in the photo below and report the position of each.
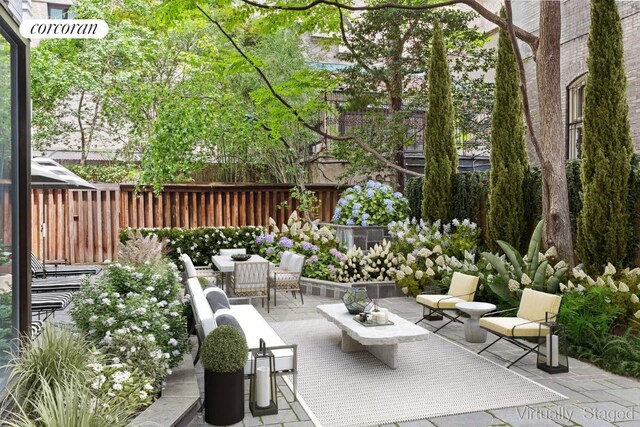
(224, 354)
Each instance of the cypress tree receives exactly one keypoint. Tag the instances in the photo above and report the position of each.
(440, 155)
(509, 163)
(606, 145)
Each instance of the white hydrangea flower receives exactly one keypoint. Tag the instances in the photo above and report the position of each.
(637, 314)
(600, 281)
(622, 287)
(430, 272)
(609, 270)
(635, 299)
(525, 280)
(419, 274)
(552, 252)
(513, 285)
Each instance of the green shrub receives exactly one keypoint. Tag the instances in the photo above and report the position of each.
(224, 350)
(607, 147)
(106, 173)
(413, 193)
(58, 353)
(440, 154)
(200, 243)
(509, 162)
(68, 403)
(588, 319)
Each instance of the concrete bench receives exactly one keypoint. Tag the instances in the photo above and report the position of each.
(254, 327)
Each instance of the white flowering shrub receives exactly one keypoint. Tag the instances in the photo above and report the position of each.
(454, 238)
(136, 315)
(123, 383)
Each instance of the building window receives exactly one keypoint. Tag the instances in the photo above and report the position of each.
(59, 11)
(575, 104)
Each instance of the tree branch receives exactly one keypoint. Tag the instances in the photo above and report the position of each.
(359, 142)
(523, 81)
(525, 36)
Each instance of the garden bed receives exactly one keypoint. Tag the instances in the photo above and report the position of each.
(329, 289)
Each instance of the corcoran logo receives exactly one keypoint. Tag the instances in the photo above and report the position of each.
(64, 28)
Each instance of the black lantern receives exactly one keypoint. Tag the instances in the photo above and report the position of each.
(263, 399)
(550, 358)
(356, 300)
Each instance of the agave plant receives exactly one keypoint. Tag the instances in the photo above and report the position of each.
(531, 267)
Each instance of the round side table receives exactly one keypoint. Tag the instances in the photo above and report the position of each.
(472, 330)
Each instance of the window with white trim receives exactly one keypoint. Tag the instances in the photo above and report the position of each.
(575, 101)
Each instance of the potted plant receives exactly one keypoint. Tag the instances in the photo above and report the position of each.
(224, 354)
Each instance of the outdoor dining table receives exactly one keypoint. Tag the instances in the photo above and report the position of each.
(226, 264)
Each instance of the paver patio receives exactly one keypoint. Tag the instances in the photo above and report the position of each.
(595, 397)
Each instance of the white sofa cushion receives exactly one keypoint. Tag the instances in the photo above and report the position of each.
(189, 268)
(296, 263)
(255, 327)
(202, 313)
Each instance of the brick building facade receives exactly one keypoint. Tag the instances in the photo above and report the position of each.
(573, 66)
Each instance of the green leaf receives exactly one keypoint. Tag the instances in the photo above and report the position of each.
(498, 264)
(514, 256)
(553, 283)
(538, 279)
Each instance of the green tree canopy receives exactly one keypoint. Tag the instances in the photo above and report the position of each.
(389, 79)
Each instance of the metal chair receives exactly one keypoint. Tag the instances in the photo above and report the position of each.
(535, 309)
(249, 279)
(463, 288)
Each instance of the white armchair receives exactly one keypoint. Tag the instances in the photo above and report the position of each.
(287, 277)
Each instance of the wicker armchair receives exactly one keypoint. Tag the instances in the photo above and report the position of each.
(249, 279)
(287, 276)
(191, 271)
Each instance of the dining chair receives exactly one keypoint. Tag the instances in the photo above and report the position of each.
(249, 279)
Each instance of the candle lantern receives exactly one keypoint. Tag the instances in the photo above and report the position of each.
(263, 399)
(550, 357)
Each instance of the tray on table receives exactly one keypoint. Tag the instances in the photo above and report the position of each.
(371, 323)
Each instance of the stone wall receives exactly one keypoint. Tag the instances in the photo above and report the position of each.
(573, 53)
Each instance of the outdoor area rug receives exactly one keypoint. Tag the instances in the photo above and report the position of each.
(434, 378)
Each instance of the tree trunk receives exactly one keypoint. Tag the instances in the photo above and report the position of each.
(398, 147)
(555, 200)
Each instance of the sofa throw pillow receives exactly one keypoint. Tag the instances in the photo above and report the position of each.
(224, 316)
(217, 299)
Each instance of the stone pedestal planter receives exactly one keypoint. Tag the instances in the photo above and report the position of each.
(364, 238)
(336, 290)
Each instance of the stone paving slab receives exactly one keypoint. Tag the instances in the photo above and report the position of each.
(588, 388)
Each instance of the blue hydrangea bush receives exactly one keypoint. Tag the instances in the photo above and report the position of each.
(372, 204)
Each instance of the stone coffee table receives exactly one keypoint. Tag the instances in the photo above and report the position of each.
(381, 341)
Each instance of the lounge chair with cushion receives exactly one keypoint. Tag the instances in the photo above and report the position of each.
(535, 309)
(39, 269)
(57, 284)
(45, 304)
(463, 288)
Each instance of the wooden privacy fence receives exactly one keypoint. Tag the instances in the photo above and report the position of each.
(83, 225)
